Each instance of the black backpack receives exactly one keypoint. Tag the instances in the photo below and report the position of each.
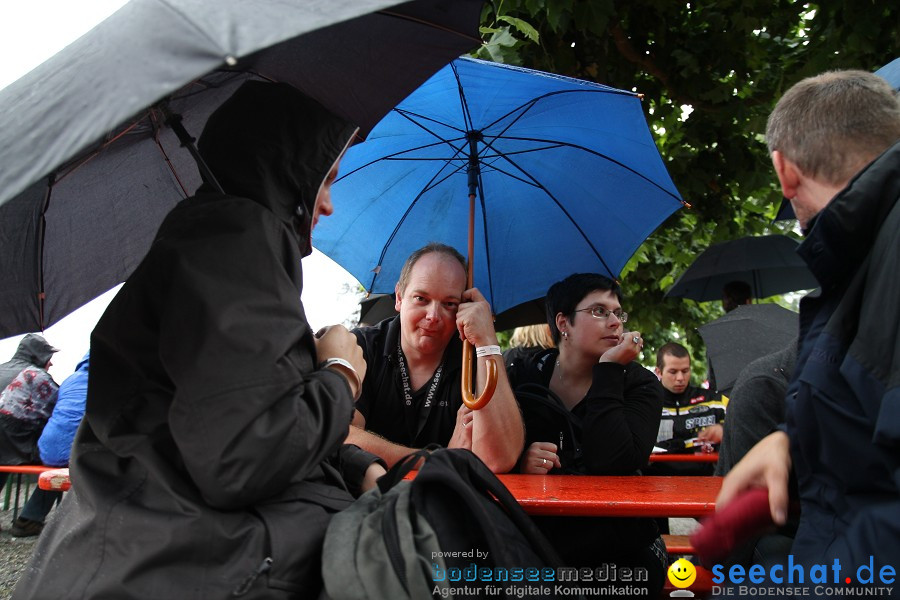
(455, 525)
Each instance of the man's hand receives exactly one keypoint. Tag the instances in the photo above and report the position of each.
(626, 350)
(462, 433)
(768, 465)
(335, 341)
(474, 320)
(711, 434)
(539, 459)
(370, 479)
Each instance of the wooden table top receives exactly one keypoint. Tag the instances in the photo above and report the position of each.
(615, 496)
(697, 457)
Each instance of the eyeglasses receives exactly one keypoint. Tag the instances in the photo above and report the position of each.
(598, 312)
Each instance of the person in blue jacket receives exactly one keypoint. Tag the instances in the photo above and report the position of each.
(54, 446)
(834, 140)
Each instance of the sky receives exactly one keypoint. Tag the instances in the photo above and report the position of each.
(30, 33)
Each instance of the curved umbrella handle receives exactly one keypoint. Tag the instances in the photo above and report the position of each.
(490, 383)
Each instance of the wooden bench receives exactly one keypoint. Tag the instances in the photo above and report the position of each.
(19, 471)
(676, 544)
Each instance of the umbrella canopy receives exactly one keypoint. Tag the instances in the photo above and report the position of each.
(891, 72)
(769, 264)
(90, 166)
(566, 174)
(741, 336)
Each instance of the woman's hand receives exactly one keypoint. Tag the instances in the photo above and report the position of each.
(629, 347)
(539, 459)
(462, 433)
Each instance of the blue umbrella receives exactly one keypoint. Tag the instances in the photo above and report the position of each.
(891, 72)
(560, 176)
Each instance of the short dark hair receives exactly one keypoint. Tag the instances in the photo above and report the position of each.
(856, 112)
(563, 296)
(672, 349)
(432, 247)
(736, 293)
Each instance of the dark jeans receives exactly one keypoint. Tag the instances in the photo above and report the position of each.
(39, 505)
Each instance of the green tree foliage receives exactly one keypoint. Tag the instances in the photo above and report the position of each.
(709, 73)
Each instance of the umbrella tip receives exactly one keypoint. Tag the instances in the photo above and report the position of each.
(230, 61)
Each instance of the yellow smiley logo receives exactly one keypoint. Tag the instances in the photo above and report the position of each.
(682, 573)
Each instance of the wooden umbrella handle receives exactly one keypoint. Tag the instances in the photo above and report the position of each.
(490, 383)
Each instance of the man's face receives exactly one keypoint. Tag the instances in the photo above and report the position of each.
(676, 373)
(428, 305)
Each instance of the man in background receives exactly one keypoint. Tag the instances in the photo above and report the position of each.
(689, 412)
(54, 446)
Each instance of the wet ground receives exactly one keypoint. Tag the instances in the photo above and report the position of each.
(14, 552)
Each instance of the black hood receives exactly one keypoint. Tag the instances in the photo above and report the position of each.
(272, 144)
(35, 350)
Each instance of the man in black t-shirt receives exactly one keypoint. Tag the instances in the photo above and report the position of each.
(412, 395)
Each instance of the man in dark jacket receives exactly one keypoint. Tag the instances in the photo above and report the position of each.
(835, 145)
(203, 467)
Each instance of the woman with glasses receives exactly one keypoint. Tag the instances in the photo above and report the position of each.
(590, 409)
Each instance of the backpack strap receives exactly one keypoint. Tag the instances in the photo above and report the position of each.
(402, 467)
(476, 474)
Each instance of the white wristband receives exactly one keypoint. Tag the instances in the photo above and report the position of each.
(340, 362)
(487, 350)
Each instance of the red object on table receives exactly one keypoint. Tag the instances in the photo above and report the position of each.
(700, 457)
(56, 480)
(746, 516)
(614, 496)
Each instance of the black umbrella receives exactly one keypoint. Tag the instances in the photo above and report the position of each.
(745, 334)
(375, 308)
(769, 264)
(90, 163)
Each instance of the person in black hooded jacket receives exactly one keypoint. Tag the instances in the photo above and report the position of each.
(33, 351)
(590, 409)
(210, 458)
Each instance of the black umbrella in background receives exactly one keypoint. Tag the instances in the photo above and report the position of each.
(91, 164)
(743, 335)
(769, 264)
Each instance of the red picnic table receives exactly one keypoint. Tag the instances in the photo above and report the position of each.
(614, 496)
(695, 457)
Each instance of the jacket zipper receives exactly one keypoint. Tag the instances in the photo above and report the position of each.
(264, 567)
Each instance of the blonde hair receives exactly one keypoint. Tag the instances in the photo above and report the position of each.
(530, 336)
